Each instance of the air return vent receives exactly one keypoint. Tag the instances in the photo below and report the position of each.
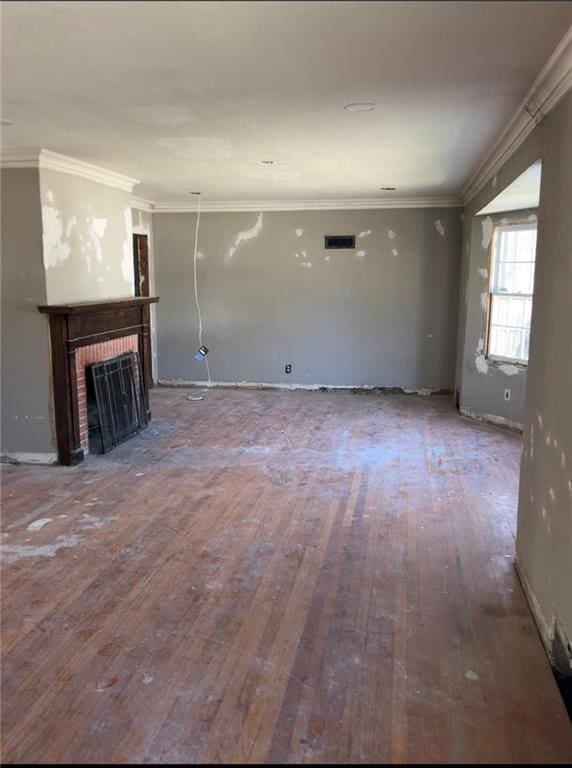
(340, 241)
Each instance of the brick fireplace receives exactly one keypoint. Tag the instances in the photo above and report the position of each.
(87, 333)
(96, 353)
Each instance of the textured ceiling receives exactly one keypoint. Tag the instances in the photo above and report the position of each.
(194, 95)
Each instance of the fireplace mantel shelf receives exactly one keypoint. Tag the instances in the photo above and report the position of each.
(84, 307)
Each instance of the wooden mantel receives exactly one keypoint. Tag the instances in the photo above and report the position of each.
(83, 307)
(79, 325)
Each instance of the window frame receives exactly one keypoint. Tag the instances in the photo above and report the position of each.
(512, 224)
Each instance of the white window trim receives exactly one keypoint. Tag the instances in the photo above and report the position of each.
(513, 226)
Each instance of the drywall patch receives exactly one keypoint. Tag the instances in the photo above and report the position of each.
(394, 252)
(484, 273)
(360, 254)
(96, 229)
(245, 235)
(56, 248)
(509, 370)
(365, 233)
(440, 228)
(72, 223)
(481, 364)
(391, 234)
(306, 264)
(299, 232)
(481, 361)
(532, 217)
(484, 300)
(487, 225)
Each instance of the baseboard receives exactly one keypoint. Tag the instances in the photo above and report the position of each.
(19, 457)
(542, 624)
(557, 645)
(184, 383)
(491, 418)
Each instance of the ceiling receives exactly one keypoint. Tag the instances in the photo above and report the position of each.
(524, 192)
(192, 96)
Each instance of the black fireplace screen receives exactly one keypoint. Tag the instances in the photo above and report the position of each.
(116, 403)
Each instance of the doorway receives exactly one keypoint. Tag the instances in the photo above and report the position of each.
(141, 264)
(142, 284)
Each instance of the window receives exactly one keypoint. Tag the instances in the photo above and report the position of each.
(510, 291)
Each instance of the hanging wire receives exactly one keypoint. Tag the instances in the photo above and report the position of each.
(197, 303)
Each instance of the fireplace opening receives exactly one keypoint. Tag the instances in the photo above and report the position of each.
(115, 401)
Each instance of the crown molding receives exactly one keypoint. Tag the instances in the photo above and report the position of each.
(552, 83)
(54, 161)
(141, 204)
(46, 159)
(15, 158)
(306, 205)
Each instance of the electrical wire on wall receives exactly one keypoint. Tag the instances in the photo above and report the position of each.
(202, 353)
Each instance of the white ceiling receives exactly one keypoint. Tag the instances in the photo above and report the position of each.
(524, 192)
(193, 95)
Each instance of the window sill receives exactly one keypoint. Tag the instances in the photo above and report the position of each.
(496, 362)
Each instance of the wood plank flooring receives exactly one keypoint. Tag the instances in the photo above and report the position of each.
(278, 577)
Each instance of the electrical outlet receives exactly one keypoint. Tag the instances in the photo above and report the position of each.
(288, 368)
(507, 394)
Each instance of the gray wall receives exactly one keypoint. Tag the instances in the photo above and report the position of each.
(544, 538)
(26, 368)
(467, 378)
(270, 294)
(484, 381)
(87, 234)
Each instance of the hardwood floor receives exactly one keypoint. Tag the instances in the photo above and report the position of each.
(275, 577)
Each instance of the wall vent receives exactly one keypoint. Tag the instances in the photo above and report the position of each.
(340, 241)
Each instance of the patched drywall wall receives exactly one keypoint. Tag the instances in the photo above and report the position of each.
(27, 429)
(528, 153)
(87, 239)
(382, 315)
(142, 222)
(484, 380)
(544, 536)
